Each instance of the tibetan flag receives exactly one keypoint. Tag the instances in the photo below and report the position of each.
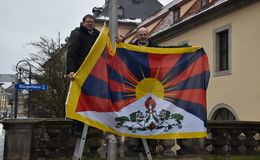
(143, 92)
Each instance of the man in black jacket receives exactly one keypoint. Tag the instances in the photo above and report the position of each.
(80, 42)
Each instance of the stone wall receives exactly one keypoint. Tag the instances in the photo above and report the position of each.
(51, 139)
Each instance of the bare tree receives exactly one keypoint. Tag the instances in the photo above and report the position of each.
(48, 67)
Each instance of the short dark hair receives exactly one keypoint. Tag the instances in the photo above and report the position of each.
(88, 16)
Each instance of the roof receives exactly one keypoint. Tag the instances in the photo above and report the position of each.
(133, 9)
(163, 28)
(192, 17)
(216, 9)
(163, 11)
(125, 21)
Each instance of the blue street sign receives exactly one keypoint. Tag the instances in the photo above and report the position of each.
(31, 86)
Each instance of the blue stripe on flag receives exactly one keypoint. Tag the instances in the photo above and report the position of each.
(95, 87)
(199, 81)
(104, 53)
(183, 63)
(100, 89)
(118, 96)
(137, 62)
(118, 78)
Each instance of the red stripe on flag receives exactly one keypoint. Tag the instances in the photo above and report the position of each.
(91, 103)
(119, 87)
(160, 64)
(197, 67)
(100, 69)
(193, 95)
(119, 66)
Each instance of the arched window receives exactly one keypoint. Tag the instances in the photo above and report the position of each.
(223, 112)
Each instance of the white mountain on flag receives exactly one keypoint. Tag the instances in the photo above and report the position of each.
(149, 115)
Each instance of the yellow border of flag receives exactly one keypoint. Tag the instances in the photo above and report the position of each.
(156, 50)
(82, 74)
(87, 66)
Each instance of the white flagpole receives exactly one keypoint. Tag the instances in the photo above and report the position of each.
(112, 140)
(113, 20)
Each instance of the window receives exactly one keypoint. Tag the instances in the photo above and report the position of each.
(222, 50)
(224, 114)
(223, 111)
(120, 12)
(176, 15)
(203, 3)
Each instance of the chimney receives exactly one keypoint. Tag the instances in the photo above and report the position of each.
(96, 11)
(106, 2)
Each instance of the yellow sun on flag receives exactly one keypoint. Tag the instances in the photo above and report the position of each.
(149, 85)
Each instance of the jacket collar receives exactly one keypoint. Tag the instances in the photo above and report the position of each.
(84, 29)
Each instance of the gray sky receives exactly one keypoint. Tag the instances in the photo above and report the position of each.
(24, 21)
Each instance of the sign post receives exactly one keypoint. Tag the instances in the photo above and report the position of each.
(27, 87)
(31, 87)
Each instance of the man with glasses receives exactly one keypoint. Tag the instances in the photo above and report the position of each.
(80, 42)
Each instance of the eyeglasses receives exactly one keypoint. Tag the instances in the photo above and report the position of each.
(89, 21)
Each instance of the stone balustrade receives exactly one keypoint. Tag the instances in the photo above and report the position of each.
(233, 138)
(51, 139)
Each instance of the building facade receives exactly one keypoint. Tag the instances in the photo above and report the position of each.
(5, 106)
(228, 30)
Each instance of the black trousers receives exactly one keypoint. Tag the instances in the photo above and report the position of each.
(77, 128)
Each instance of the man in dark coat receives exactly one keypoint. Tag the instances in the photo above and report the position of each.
(80, 42)
(142, 39)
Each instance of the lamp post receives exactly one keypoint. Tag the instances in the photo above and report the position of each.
(19, 69)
